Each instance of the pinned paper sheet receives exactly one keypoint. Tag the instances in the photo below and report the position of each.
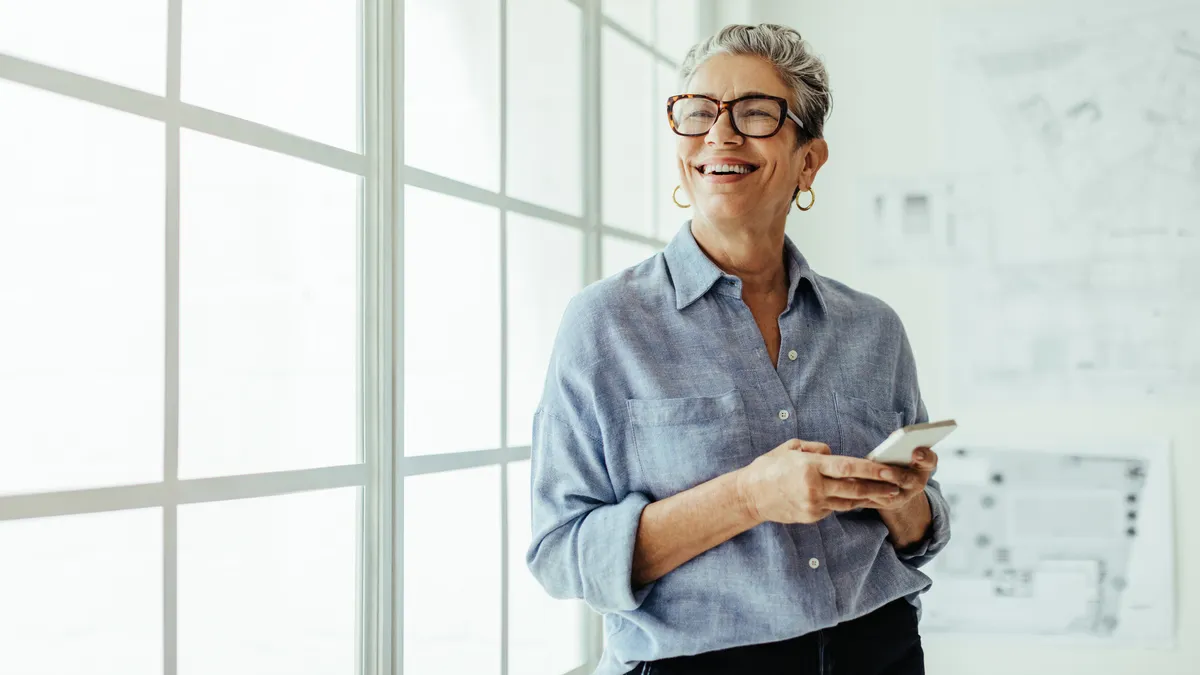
(1073, 543)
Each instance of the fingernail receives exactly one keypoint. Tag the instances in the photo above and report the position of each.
(887, 474)
(895, 491)
(919, 454)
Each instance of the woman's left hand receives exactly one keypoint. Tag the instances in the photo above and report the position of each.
(912, 480)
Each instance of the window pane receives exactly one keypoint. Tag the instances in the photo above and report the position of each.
(676, 27)
(269, 585)
(81, 294)
(618, 254)
(268, 311)
(452, 572)
(628, 111)
(670, 216)
(287, 64)
(545, 119)
(82, 594)
(452, 89)
(545, 269)
(121, 41)
(633, 15)
(451, 324)
(546, 635)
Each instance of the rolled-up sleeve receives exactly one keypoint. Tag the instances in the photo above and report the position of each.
(583, 530)
(909, 394)
(583, 536)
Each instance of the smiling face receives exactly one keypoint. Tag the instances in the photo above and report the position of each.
(737, 180)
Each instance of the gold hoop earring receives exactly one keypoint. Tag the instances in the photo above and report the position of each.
(675, 198)
(812, 199)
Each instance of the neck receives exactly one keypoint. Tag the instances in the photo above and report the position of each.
(753, 254)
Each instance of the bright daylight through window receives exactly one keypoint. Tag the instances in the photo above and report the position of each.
(280, 282)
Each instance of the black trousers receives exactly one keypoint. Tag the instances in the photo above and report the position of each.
(884, 642)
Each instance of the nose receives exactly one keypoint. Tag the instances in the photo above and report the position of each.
(722, 133)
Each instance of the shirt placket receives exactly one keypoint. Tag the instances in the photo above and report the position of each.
(811, 542)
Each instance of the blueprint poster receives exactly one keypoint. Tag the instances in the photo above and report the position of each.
(1073, 143)
(1069, 544)
(1066, 212)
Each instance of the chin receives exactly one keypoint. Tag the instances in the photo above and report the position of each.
(727, 207)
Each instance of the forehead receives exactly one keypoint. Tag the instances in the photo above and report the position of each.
(727, 76)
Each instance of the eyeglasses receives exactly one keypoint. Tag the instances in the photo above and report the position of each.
(755, 116)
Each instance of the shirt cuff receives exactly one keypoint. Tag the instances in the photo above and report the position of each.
(606, 541)
(938, 534)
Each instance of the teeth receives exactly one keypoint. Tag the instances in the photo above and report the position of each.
(726, 168)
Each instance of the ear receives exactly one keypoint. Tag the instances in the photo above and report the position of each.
(814, 154)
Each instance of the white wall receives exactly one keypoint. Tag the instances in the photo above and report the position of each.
(732, 11)
(886, 119)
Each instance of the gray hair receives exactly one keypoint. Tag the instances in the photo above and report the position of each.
(801, 70)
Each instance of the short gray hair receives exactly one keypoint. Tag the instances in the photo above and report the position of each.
(800, 69)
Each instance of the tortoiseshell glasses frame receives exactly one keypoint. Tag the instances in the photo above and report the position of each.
(737, 108)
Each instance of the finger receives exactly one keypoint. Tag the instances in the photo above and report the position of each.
(815, 448)
(909, 479)
(924, 459)
(841, 504)
(853, 467)
(859, 489)
(884, 502)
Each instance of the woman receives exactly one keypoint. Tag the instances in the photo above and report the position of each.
(657, 496)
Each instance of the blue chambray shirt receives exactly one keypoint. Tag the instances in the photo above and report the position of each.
(660, 381)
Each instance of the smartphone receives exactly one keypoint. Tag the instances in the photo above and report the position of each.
(898, 448)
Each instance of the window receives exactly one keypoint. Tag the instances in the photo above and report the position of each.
(280, 283)
(183, 364)
(639, 165)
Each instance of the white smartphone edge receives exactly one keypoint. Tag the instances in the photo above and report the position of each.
(886, 453)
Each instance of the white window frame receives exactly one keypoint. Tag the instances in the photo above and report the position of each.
(383, 465)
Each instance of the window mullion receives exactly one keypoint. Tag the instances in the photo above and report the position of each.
(593, 214)
(171, 367)
(504, 337)
(382, 518)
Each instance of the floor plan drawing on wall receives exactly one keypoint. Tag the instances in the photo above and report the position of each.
(1073, 543)
(1067, 215)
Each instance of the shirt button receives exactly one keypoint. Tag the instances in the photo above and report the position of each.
(792, 355)
(814, 563)
(783, 414)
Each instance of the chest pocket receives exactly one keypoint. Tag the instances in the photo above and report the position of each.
(862, 426)
(683, 442)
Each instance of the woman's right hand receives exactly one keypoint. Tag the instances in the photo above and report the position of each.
(802, 482)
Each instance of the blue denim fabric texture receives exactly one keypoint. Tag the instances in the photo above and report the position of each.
(659, 381)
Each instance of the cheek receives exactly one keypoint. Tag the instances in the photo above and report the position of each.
(686, 148)
(776, 163)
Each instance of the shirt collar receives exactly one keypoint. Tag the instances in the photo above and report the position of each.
(694, 274)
